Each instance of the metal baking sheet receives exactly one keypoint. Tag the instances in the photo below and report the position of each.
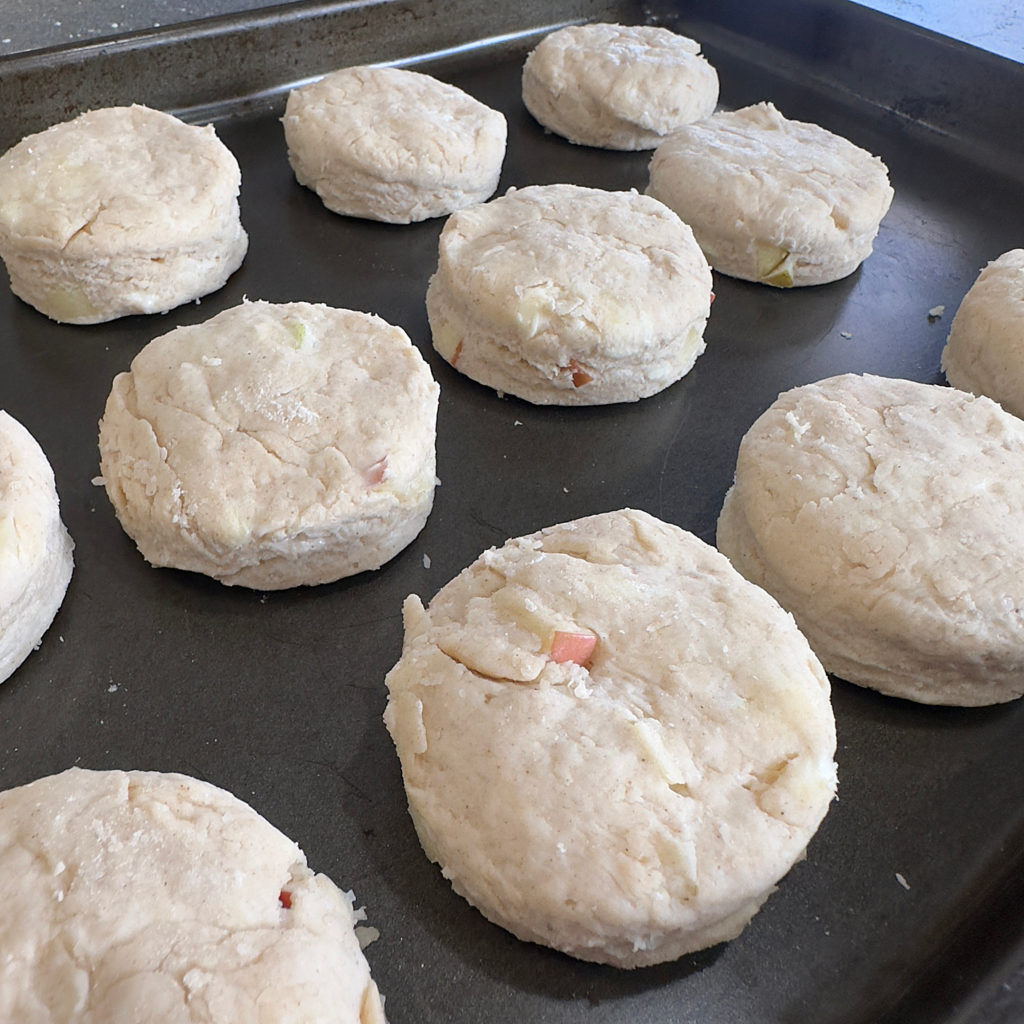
(908, 907)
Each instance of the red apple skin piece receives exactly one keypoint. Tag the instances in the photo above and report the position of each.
(577, 647)
(579, 375)
(376, 473)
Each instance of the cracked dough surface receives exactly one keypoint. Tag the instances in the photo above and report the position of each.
(273, 445)
(984, 353)
(35, 549)
(121, 210)
(885, 515)
(563, 295)
(638, 806)
(781, 202)
(393, 145)
(618, 86)
(152, 898)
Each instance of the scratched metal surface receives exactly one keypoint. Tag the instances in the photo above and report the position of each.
(278, 697)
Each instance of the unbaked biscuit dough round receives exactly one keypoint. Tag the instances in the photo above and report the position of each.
(611, 743)
(566, 295)
(782, 202)
(143, 896)
(618, 86)
(121, 210)
(35, 549)
(885, 515)
(273, 445)
(984, 353)
(393, 145)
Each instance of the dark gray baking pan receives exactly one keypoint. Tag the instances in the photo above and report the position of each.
(908, 907)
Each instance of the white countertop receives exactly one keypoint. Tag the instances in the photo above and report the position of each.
(993, 25)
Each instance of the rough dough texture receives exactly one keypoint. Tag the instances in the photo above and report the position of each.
(570, 296)
(393, 145)
(884, 514)
(618, 86)
(781, 202)
(122, 210)
(35, 549)
(637, 806)
(273, 445)
(134, 897)
(984, 353)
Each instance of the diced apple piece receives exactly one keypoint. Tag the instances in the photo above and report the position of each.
(447, 342)
(579, 375)
(304, 339)
(767, 257)
(774, 264)
(677, 766)
(576, 647)
(69, 304)
(781, 278)
(377, 472)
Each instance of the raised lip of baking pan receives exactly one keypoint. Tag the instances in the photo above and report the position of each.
(230, 62)
(907, 82)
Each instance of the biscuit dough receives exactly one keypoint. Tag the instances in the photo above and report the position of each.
(611, 743)
(35, 549)
(570, 296)
(618, 86)
(134, 897)
(393, 145)
(782, 202)
(273, 445)
(121, 210)
(984, 353)
(884, 515)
